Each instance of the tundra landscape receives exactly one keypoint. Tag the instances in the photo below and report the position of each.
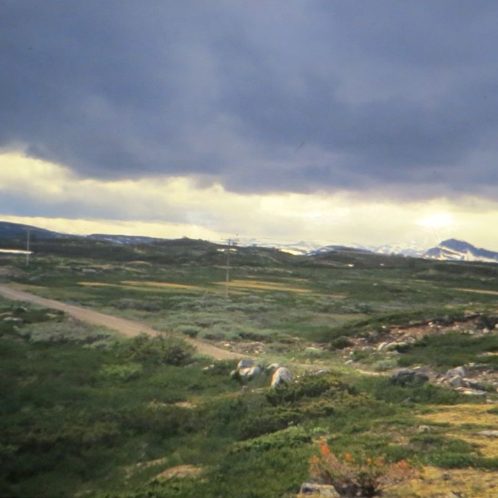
(134, 370)
(248, 249)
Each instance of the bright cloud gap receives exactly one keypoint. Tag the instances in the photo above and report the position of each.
(49, 195)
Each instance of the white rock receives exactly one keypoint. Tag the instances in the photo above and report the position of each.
(245, 363)
(248, 374)
(381, 346)
(281, 376)
(489, 433)
(460, 371)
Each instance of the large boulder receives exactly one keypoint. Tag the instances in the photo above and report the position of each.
(246, 371)
(407, 376)
(251, 373)
(281, 376)
(245, 363)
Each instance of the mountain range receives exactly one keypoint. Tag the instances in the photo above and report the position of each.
(14, 236)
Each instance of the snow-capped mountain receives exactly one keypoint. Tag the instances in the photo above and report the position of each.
(301, 248)
(124, 239)
(459, 250)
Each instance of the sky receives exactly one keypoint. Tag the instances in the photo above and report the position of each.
(330, 121)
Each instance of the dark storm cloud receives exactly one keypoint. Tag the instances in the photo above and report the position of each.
(269, 95)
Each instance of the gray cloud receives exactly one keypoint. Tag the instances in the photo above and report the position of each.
(261, 96)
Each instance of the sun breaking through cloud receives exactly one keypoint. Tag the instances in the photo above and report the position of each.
(178, 206)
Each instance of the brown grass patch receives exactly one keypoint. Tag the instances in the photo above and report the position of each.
(180, 472)
(467, 421)
(144, 286)
(445, 483)
(161, 285)
(263, 285)
(479, 291)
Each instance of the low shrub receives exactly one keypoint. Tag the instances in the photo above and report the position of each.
(292, 436)
(309, 386)
(189, 330)
(269, 420)
(122, 373)
(156, 350)
(341, 342)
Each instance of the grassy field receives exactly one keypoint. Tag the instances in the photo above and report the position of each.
(87, 413)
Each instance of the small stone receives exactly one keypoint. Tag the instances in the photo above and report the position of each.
(456, 381)
(382, 346)
(460, 371)
(423, 429)
(489, 433)
(310, 489)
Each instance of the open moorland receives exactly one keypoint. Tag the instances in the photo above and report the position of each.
(394, 363)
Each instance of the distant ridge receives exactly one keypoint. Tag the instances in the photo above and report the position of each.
(13, 236)
(17, 231)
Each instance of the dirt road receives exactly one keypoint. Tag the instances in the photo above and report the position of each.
(129, 328)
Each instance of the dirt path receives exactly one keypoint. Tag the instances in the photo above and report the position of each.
(129, 328)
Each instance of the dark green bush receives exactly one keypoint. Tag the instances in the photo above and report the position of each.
(156, 350)
(269, 420)
(309, 386)
(341, 342)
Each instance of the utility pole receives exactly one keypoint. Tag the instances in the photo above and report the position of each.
(28, 242)
(227, 268)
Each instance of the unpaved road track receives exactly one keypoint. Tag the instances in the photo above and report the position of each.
(129, 328)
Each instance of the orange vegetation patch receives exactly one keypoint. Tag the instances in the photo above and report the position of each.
(264, 286)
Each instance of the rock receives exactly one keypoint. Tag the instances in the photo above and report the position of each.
(393, 346)
(471, 392)
(272, 367)
(245, 363)
(280, 377)
(456, 381)
(382, 346)
(423, 429)
(489, 433)
(248, 374)
(474, 385)
(407, 376)
(321, 371)
(310, 489)
(460, 371)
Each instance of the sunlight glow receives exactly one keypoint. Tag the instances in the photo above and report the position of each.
(437, 221)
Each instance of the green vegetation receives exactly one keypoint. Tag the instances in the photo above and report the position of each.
(451, 350)
(87, 413)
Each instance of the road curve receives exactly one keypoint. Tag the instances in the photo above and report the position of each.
(128, 328)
